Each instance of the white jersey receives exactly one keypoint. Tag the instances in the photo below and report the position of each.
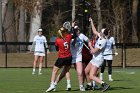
(100, 43)
(98, 57)
(108, 49)
(77, 49)
(40, 43)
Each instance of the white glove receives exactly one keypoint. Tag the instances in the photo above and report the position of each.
(116, 53)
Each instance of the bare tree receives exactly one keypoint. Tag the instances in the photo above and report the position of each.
(119, 12)
(4, 8)
(116, 12)
(21, 33)
(0, 25)
(134, 20)
(35, 23)
(60, 15)
(97, 3)
(73, 10)
(8, 25)
(4, 12)
(0, 21)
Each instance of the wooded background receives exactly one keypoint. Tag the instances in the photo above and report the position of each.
(20, 19)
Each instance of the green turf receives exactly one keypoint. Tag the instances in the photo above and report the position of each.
(20, 80)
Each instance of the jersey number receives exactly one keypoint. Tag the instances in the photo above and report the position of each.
(66, 45)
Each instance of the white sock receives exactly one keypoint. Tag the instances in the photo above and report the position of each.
(110, 76)
(55, 83)
(68, 82)
(39, 70)
(52, 84)
(33, 69)
(93, 83)
(101, 76)
(81, 86)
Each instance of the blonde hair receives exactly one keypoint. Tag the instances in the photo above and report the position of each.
(62, 31)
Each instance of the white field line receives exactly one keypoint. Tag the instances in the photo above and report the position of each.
(127, 72)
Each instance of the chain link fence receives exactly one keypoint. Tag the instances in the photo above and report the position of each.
(19, 56)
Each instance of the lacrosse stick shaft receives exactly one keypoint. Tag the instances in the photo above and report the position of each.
(108, 54)
(86, 46)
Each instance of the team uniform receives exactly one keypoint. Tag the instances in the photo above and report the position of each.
(40, 45)
(76, 49)
(64, 53)
(108, 58)
(86, 55)
(108, 49)
(98, 58)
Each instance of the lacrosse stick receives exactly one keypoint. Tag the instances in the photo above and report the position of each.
(86, 46)
(67, 25)
(111, 54)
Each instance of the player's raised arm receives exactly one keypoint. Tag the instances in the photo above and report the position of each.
(93, 27)
(73, 32)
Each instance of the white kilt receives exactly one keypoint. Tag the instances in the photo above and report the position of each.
(77, 59)
(97, 62)
(39, 53)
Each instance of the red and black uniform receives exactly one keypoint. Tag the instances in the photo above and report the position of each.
(64, 53)
(86, 55)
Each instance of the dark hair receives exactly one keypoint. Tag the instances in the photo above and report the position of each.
(106, 32)
(76, 28)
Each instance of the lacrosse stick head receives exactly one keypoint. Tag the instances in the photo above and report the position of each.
(67, 25)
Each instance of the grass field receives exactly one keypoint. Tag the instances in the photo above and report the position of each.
(20, 80)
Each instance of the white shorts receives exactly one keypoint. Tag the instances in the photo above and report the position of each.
(96, 62)
(39, 53)
(77, 59)
(108, 57)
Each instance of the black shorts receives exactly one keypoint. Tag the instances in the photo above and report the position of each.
(63, 62)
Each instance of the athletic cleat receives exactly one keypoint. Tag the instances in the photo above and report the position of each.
(33, 73)
(111, 79)
(51, 88)
(88, 87)
(101, 77)
(68, 87)
(96, 87)
(105, 87)
(54, 89)
(39, 73)
(82, 88)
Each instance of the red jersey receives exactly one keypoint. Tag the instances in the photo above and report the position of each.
(93, 43)
(64, 46)
(86, 55)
